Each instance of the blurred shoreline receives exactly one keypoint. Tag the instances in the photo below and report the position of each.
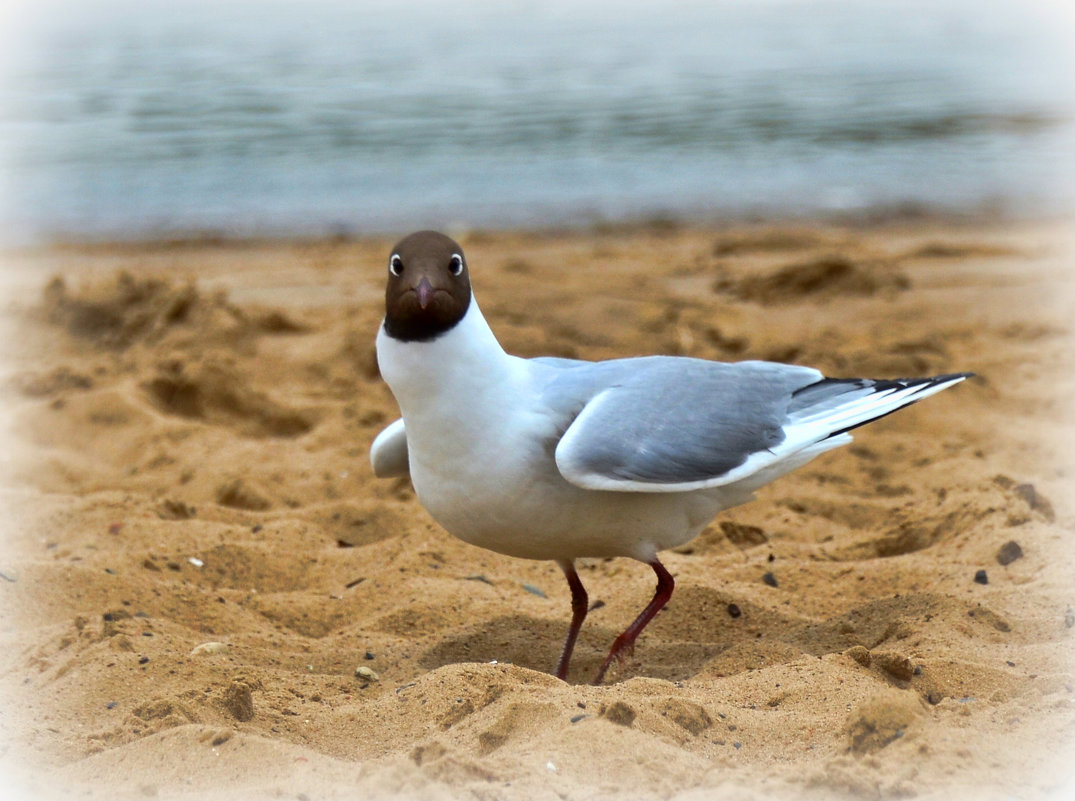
(906, 215)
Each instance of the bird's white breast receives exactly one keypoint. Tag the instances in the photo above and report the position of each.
(474, 435)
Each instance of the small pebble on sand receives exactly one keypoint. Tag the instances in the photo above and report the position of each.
(981, 577)
(1009, 552)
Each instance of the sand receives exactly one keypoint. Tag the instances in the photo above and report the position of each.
(206, 594)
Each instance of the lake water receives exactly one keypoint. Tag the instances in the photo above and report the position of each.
(131, 120)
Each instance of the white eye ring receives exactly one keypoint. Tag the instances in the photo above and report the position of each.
(395, 265)
(455, 264)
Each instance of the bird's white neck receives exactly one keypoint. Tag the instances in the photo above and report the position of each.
(456, 367)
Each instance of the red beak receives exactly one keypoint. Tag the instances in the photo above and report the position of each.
(425, 293)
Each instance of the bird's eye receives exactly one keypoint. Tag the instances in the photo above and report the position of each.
(395, 265)
(455, 265)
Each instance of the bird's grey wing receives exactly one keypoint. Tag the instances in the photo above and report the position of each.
(388, 453)
(671, 425)
(680, 424)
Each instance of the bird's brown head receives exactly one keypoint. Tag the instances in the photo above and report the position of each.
(428, 288)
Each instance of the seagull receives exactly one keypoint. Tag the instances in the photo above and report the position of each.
(563, 459)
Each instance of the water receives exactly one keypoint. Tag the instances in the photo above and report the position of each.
(129, 120)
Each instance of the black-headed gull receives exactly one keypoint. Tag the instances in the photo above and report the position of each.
(562, 459)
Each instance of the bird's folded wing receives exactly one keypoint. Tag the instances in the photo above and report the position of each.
(694, 428)
(681, 424)
(388, 453)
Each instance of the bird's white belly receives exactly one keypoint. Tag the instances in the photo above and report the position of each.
(510, 498)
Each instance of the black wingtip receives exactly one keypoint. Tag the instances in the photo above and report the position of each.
(881, 384)
(919, 384)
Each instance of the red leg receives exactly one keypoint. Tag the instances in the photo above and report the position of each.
(625, 643)
(580, 605)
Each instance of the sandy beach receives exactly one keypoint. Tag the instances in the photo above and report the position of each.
(206, 593)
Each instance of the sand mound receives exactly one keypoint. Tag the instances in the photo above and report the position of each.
(771, 240)
(124, 310)
(823, 277)
(215, 393)
(959, 250)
